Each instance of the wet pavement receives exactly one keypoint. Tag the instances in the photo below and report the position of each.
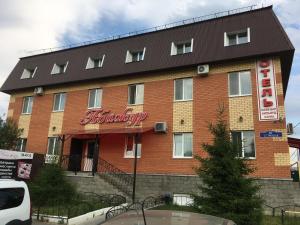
(166, 217)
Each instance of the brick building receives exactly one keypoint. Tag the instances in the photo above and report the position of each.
(104, 99)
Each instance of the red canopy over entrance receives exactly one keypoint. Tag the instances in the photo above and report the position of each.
(89, 134)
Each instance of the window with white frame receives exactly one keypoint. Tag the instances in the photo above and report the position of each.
(28, 73)
(95, 62)
(183, 145)
(59, 68)
(53, 146)
(21, 144)
(95, 98)
(27, 105)
(135, 56)
(130, 144)
(59, 102)
(237, 37)
(135, 94)
(180, 48)
(245, 142)
(183, 89)
(240, 83)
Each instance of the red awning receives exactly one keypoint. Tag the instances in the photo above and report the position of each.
(88, 134)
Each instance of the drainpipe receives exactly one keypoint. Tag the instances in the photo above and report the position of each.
(95, 155)
(61, 150)
(137, 141)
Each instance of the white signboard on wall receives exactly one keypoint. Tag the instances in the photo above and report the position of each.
(266, 90)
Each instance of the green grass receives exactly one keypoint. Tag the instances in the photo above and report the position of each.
(73, 209)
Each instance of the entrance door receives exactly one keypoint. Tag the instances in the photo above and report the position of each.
(75, 155)
(88, 160)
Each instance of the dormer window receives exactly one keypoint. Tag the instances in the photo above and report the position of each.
(237, 37)
(183, 47)
(135, 56)
(28, 73)
(59, 68)
(95, 62)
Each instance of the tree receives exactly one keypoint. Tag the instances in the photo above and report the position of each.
(227, 189)
(50, 187)
(9, 134)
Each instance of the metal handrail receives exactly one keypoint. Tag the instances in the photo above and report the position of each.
(147, 30)
(115, 176)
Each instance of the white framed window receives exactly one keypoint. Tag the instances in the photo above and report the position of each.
(183, 89)
(237, 37)
(21, 144)
(135, 94)
(183, 145)
(180, 48)
(245, 142)
(239, 83)
(135, 56)
(54, 145)
(27, 105)
(95, 62)
(28, 73)
(130, 144)
(59, 102)
(183, 199)
(95, 98)
(59, 68)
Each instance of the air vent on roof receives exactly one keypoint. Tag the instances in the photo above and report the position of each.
(160, 127)
(203, 70)
(38, 91)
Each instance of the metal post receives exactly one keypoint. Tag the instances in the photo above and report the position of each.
(95, 155)
(136, 141)
(61, 150)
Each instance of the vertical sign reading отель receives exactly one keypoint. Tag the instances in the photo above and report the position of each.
(266, 90)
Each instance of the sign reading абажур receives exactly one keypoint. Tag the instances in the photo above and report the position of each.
(101, 116)
(266, 90)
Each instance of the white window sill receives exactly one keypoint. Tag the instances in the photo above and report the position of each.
(184, 53)
(233, 96)
(94, 68)
(95, 107)
(57, 73)
(58, 111)
(183, 157)
(237, 44)
(250, 158)
(135, 104)
(25, 113)
(131, 157)
(184, 100)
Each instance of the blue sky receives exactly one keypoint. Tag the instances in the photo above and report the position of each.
(34, 24)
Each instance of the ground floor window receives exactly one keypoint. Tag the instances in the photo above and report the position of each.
(130, 144)
(21, 144)
(183, 145)
(53, 146)
(245, 142)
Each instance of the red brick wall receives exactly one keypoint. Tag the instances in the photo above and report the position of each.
(39, 124)
(157, 149)
(266, 147)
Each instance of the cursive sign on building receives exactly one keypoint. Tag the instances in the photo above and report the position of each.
(100, 116)
(266, 90)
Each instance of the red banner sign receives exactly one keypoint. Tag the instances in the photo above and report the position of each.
(266, 90)
(101, 116)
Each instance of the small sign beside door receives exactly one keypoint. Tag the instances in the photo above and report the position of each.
(271, 134)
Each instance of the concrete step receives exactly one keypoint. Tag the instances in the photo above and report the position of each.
(85, 182)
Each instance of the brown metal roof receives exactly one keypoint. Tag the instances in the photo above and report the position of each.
(294, 142)
(267, 38)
